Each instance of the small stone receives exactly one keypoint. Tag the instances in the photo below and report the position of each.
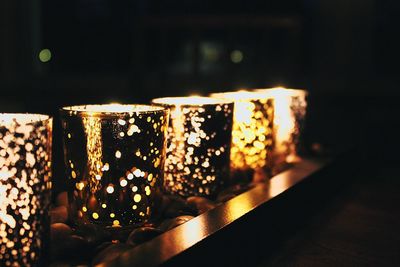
(119, 233)
(76, 244)
(177, 206)
(93, 234)
(103, 246)
(174, 222)
(62, 199)
(200, 204)
(70, 247)
(110, 253)
(142, 234)
(59, 214)
(235, 190)
(59, 231)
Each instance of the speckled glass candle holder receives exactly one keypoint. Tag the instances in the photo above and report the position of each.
(25, 171)
(114, 156)
(252, 134)
(199, 140)
(290, 111)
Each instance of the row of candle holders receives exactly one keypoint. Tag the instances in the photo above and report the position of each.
(120, 159)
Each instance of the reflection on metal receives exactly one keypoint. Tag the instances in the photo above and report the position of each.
(290, 111)
(92, 126)
(25, 171)
(252, 134)
(235, 209)
(169, 246)
(278, 184)
(191, 232)
(114, 157)
(199, 139)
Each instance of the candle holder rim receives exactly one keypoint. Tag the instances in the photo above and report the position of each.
(129, 109)
(212, 101)
(246, 95)
(289, 91)
(23, 118)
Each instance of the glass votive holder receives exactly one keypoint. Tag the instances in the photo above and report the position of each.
(199, 141)
(290, 110)
(252, 134)
(114, 156)
(25, 172)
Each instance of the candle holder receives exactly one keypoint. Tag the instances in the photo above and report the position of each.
(252, 134)
(199, 141)
(25, 171)
(114, 156)
(290, 112)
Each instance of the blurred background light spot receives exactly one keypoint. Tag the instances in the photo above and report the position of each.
(209, 51)
(236, 56)
(45, 55)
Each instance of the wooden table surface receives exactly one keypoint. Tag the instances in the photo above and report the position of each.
(358, 227)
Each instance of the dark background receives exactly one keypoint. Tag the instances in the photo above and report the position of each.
(105, 50)
(345, 52)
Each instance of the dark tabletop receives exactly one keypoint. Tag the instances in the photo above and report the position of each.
(357, 227)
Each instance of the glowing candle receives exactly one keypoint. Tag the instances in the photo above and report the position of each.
(252, 134)
(199, 139)
(290, 110)
(114, 157)
(25, 170)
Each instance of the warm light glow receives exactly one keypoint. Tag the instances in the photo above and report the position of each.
(278, 184)
(123, 182)
(189, 101)
(20, 118)
(290, 107)
(94, 150)
(110, 189)
(137, 198)
(236, 209)
(192, 231)
(284, 120)
(112, 108)
(252, 134)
